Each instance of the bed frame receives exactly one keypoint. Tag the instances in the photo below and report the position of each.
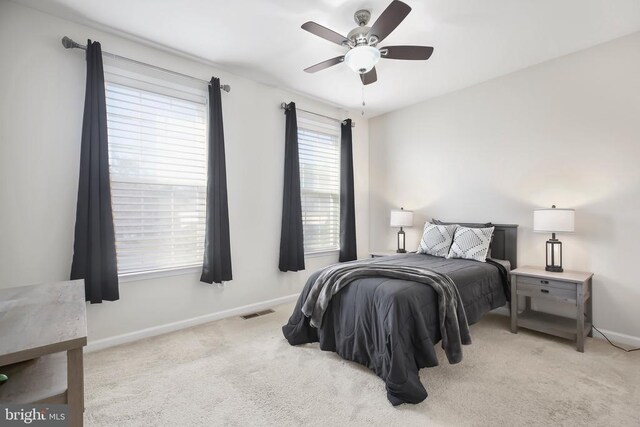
(505, 243)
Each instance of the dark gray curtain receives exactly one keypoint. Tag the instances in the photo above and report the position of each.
(94, 249)
(217, 246)
(348, 250)
(291, 236)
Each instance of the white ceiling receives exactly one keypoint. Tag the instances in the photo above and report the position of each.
(474, 40)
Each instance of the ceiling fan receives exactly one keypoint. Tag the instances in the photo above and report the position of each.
(362, 42)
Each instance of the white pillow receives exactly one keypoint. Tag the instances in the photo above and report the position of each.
(436, 239)
(471, 243)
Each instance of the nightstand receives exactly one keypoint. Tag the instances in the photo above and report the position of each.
(570, 287)
(375, 254)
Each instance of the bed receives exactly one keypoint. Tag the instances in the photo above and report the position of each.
(392, 325)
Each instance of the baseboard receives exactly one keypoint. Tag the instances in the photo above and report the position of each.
(182, 324)
(627, 340)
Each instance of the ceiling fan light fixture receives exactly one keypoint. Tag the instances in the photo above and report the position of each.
(362, 59)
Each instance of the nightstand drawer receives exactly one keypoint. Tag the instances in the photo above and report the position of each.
(546, 291)
(546, 282)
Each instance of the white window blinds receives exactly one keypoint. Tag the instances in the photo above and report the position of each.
(319, 152)
(157, 159)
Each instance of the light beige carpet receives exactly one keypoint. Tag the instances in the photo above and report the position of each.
(242, 372)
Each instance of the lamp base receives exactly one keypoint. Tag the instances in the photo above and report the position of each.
(554, 254)
(401, 249)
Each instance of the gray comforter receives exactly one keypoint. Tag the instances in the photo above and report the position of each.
(391, 325)
(454, 328)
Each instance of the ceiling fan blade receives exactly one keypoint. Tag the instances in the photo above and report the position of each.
(325, 64)
(389, 20)
(406, 52)
(324, 32)
(370, 77)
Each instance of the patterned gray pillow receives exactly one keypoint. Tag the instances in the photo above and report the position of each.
(436, 239)
(471, 243)
(470, 225)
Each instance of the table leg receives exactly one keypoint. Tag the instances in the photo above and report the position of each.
(590, 309)
(514, 305)
(75, 387)
(580, 319)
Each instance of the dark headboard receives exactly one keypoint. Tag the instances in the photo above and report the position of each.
(505, 243)
(505, 240)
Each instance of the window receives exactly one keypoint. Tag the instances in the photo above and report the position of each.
(319, 150)
(157, 162)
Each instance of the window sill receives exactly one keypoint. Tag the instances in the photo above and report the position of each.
(322, 253)
(147, 275)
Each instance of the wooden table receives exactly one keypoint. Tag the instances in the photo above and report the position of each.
(572, 288)
(41, 322)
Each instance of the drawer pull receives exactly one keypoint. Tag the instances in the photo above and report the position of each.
(544, 291)
(544, 282)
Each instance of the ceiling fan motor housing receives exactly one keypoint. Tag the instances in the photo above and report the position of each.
(359, 36)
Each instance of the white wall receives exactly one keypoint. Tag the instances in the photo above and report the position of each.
(41, 102)
(566, 132)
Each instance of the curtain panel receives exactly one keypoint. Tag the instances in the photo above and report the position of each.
(348, 251)
(216, 266)
(291, 235)
(94, 249)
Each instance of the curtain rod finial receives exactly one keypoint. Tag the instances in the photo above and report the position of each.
(68, 43)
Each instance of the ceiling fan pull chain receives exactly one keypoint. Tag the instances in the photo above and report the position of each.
(363, 104)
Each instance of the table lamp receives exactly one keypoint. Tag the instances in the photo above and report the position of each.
(553, 221)
(401, 219)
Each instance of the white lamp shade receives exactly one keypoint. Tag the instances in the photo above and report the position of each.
(553, 220)
(362, 59)
(401, 218)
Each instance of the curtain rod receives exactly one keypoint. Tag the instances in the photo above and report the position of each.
(284, 107)
(70, 44)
